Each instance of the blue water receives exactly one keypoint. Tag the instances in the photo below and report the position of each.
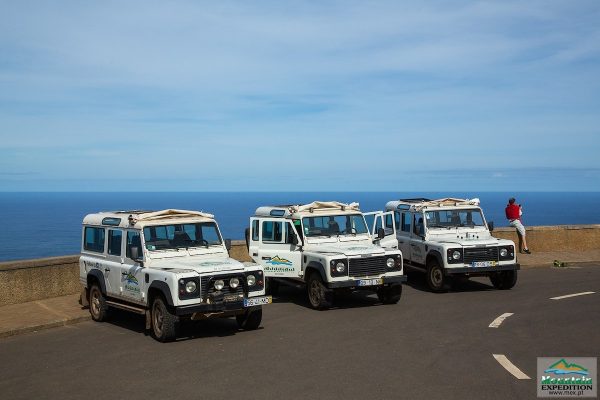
(49, 224)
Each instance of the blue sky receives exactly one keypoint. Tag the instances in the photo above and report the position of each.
(280, 96)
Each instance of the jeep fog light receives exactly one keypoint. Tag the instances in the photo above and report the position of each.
(219, 284)
(391, 263)
(190, 287)
(503, 252)
(340, 267)
(234, 283)
(456, 255)
(251, 279)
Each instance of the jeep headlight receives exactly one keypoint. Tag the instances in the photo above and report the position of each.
(190, 287)
(219, 284)
(234, 283)
(503, 252)
(340, 267)
(390, 262)
(251, 279)
(456, 255)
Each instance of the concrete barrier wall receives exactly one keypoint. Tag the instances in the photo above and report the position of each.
(556, 238)
(29, 280)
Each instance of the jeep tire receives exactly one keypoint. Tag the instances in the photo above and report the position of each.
(250, 319)
(504, 280)
(98, 306)
(390, 294)
(319, 296)
(436, 280)
(163, 322)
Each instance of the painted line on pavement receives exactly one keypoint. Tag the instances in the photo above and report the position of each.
(510, 367)
(570, 295)
(496, 323)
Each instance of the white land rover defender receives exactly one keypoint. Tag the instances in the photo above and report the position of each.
(327, 246)
(450, 238)
(168, 265)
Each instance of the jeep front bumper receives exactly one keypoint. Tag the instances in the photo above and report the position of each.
(356, 283)
(221, 306)
(473, 271)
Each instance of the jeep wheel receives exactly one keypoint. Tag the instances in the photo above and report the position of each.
(98, 306)
(319, 295)
(249, 320)
(164, 323)
(504, 280)
(390, 294)
(436, 280)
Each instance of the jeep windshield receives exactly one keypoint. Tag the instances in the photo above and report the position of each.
(454, 218)
(176, 236)
(334, 225)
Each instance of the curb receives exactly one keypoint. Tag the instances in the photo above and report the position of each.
(40, 327)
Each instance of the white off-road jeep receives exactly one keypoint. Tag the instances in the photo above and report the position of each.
(328, 247)
(169, 265)
(450, 239)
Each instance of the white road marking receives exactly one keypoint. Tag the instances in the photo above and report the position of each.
(496, 323)
(571, 295)
(510, 367)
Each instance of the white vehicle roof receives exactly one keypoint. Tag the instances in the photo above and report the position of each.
(310, 209)
(139, 219)
(422, 204)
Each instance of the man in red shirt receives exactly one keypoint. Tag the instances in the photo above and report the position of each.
(513, 214)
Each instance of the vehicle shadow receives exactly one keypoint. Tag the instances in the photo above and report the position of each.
(417, 281)
(215, 327)
(342, 300)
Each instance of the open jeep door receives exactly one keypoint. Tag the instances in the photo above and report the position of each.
(382, 220)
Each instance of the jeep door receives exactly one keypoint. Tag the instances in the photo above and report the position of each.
(418, 254)
(272, 246)
(112, 265)
(132, 273)
(403, 233)
(383, 220)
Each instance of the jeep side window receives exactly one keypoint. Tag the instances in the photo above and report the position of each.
(389, 224)
(94, 239)
(271, 231)
(255, 225)
(406, 222)
(418, 228)
(133, 239)
(115, 238)
(398, 219)
(289, 230)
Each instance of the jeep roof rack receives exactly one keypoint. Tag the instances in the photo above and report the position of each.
(315, 206)
(130, 218)
(420, 204)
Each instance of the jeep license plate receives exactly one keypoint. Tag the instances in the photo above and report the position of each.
(479, 264)
(257, 301)
(370, 282)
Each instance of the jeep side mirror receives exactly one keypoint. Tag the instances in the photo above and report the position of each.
(491, 225)
(228, 244)
(380, 233)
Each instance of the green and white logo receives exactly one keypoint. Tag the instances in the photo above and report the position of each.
(566, 377)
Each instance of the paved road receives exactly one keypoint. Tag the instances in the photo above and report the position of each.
(430, 346)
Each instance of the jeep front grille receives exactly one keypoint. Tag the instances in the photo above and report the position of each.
(367, 266)
(207, 284)
(473, 254)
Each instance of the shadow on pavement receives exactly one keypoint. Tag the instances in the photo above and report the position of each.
(417, 281)
(342, 300)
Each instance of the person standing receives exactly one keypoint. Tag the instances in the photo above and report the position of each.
(513, 214)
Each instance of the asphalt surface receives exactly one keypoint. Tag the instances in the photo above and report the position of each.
(428, 346)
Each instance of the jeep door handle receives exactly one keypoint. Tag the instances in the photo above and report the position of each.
(106, 269)
(254, 254)
(124, 273)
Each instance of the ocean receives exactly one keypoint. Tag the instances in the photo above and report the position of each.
(49, 224)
